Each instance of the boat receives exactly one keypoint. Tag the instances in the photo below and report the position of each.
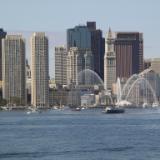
(32, 110)
(113, 110)
(155, 104)
(6, 108)
(76, 109)
(145, 104)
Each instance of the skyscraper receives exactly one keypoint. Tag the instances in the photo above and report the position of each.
(109, 62)
(39, 70)
(97, 47)
(2, 35)
(129, 53)
(60, 65)
(75, 64)
(77, 61)
(88, 58)
(79, 36)
(13, 62)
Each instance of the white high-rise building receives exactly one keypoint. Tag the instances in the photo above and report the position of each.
(39, 70)
(13, 69)
(75, 64)
(89, 59)
(109, 62)
(60, 65)
(77, 61)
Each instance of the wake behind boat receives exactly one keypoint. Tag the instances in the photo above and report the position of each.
(113, 110)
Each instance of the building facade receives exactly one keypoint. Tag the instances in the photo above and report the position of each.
(109, 62)
(78, 60)
(89, 61)
(97, 48)
(2, 35)
(129, 53)
(75, 64)
(39, 70)
(60, 66)
(79, 36)
(155, 65)
(88, 37)
(13, 62)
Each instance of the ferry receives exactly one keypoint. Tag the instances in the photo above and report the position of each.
(113, 110)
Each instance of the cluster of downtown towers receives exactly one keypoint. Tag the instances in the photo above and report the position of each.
(119, 55)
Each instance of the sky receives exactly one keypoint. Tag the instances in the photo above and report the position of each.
(55, 16)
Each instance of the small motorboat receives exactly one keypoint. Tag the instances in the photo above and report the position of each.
(155, 104)
(76, 109)
(113, 110)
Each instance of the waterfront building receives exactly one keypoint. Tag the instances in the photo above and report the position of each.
(74, 98)
(155, 65)
(88, 100)
(58, 97)
(60, 65)
(129, 53)
(39, 70)
(97, 48)
(109, 62)
(13, 65)
(2, 35)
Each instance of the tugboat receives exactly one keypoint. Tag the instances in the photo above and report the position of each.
(113, 110)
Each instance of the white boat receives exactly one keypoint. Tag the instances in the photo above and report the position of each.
(6, 108)
(31, 110)
(156, 104)
(28, 112)
(144, 105)
(55, 107)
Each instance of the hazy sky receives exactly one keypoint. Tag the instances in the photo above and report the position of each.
(55, 16)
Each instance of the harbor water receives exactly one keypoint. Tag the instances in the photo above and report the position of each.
(80, 135)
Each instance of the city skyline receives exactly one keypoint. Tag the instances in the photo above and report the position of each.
(104, 13)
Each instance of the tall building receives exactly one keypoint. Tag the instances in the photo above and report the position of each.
(88, 58)
(75, 64)
(109, 62)
(97, 47)
(129, 53)
(77, 61)
(2, 35)
(60, 65)
(39, 70)
(13, 62)
(79, 36)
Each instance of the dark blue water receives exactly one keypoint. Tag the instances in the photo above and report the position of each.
(85, 135)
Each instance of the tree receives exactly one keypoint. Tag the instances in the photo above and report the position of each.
(3, 102)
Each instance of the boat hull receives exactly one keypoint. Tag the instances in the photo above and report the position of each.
(114, 111)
